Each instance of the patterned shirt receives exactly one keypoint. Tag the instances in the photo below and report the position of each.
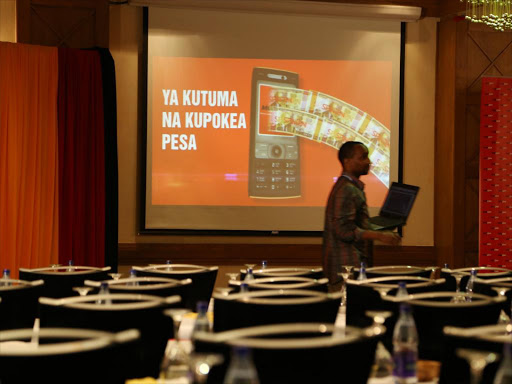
(346, 219)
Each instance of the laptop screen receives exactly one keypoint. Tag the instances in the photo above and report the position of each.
(399, 200)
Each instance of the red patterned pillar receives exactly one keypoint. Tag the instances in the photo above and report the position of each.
(496, 172)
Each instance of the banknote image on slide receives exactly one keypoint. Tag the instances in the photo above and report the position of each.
(274, 163)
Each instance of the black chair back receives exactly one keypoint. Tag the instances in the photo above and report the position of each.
(203, 280)
(482, 273)
(312, 273)
(433, 311)
(490, 338)
(65, 356)
(495, 287)
(265, 307)
(156, 286)
(60, 281)
(19, 304)
(319, 285)
(298, 353)
(126, 311)
(397, 270)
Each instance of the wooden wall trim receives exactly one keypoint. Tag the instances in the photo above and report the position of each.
(275, 254)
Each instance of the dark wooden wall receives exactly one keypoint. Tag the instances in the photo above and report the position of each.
(63, 23)
(466, 53)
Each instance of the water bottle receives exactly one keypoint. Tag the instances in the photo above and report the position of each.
(362, 272)
(405, 348)
(402, 291)
(6, 277)
(168, 263)
(244, 287)
(133, 275)
(504, 373)
(71, 263)
(241, 369)
(470, 285)
(249, 276)
(202, 324)
(104, 291)
(264, 264)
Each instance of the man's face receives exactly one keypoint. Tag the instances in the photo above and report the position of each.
(359, 163)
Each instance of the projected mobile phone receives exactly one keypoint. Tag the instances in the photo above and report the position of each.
(274, 162)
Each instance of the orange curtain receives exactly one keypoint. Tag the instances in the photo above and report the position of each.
(28, 156)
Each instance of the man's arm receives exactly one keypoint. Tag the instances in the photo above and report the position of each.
(345, 210)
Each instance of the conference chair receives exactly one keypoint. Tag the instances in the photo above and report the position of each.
(156, 286)
(125, 311)
(464, 273)
(366, 296)
(494, 287)
(62, 356)
(312, 273)
(203, 280)
(485, 344)
(433, 311)
(295, 282)
(397, 270)
(19, 303)
(240, 310)
(60, 281)
(298, 352)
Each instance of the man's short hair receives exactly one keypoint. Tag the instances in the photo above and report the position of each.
(347, 150)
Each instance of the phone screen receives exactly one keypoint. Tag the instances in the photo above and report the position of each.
(270, 95)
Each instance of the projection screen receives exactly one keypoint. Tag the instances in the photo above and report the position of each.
(246, 112)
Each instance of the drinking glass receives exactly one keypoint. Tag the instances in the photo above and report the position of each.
(458, 298)
(383, 366)
(477, 361)
(82, 291)
(115, 276)
(224, 291)
(202, 363)
(176, 360)
(346, 272)
(501, 291)
(233, 276)
(383, 291)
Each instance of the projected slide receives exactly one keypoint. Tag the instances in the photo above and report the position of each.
(262, 132)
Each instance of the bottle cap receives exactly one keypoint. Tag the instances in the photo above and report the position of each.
(401, 284)
(241, 350)
(202, 306)
(446, 266)
(405, 308)
(71, 262)
(473, 272)
(133, 272)
(264, 263)
(168, 262)
(7, 271)
(104, 285)
(249, 270)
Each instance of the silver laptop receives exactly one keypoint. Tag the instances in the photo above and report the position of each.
(396, 207)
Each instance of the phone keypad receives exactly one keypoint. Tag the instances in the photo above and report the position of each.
(276, 177)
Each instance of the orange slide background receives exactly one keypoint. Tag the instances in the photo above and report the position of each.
(198, 177)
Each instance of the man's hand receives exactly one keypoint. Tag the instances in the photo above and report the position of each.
(389, 238)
